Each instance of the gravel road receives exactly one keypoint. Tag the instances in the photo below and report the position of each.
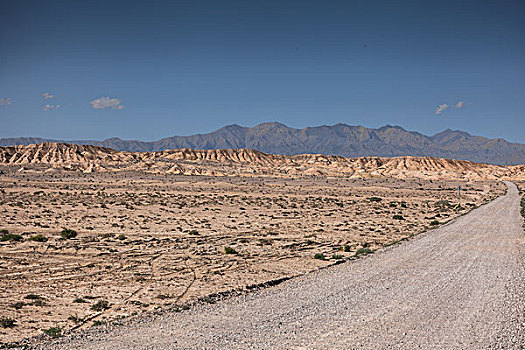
(460, 286)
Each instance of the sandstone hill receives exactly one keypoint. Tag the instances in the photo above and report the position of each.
(340, 139)
(242, 162)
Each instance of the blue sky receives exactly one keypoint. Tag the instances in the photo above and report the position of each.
(151, 69)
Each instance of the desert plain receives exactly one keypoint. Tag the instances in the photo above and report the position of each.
(150, 240)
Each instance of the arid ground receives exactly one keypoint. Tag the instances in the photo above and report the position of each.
(459, 286)
(147, 241)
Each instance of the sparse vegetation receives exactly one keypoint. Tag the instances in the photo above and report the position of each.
(7, 322)
(398, 217)
(229, 250)
(375, 199)
(53, 332)
(38, 238)
(11, 237)
(196, 216)
(68, 233)
(164, 296)
(18, 305)
(394, 242)
(363, 251)
(74, 319)
(434, 223)
(33, 297)
(100, 305)
(207, 300)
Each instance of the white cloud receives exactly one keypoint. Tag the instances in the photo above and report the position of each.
(106, 102)
(49, 107)
(5, 101)
(441, 108)
(47, 95)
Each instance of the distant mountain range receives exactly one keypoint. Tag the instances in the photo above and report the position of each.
(340, 139)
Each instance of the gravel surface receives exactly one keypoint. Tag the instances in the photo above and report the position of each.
(460, 286)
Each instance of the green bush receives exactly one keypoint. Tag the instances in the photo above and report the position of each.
(345, 248)
(68, 233)
(434, 223)
(11, 237)
(207, 300)
(74, 319)
(38, 238)
(164, 296)
(100, 305)
(53, 332)
(319, 256)
(375, 199)
(33, 297)
(18, 305)
(7, 322)
(363, 251)
(442, 204)
(398, 217)
(229, 250)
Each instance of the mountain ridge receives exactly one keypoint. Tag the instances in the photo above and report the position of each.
(339, 140)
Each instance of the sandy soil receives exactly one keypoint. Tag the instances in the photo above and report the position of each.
(457, 287)
(146, 241)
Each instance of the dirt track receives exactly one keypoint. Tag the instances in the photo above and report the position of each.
(457, 287)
